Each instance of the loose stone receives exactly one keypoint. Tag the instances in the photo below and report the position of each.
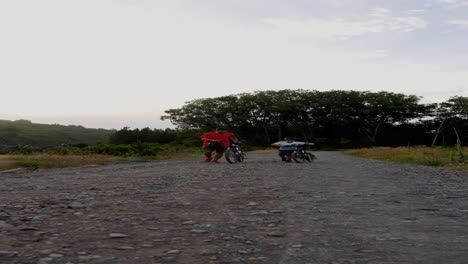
(276, 211)
(277, 234)
(175, 252)
(117, 235)
(362, 250)
(40, 218)
(199, 231)
(4, 216)
(76, 205)
(46, 252)
(8, 253)
(89, 257)
(125, 248)
(28, 228)
(45, 260)
(5, 225)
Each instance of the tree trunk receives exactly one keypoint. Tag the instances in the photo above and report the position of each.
(370, 134)
(459, 146)
(267, 134)
(437, 133)
(374, 136)
(278, 125)
(458, 137)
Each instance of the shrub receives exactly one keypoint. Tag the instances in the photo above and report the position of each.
(80, 145)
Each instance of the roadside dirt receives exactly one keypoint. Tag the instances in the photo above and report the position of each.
(4, 160)
(338, 209)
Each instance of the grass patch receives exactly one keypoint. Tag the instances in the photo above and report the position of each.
(64, 159)
(5, 162)
(101, 155)
(178, 154)
(55, 161)
(444, 157)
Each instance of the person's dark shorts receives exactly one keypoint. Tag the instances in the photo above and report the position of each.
(286, 152)
(217, 148)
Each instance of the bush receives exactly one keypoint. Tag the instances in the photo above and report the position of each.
(80, 145)
(135, 149)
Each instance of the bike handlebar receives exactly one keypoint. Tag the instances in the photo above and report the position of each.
(215, 140)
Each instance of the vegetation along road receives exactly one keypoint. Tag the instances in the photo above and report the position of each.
(339, 209)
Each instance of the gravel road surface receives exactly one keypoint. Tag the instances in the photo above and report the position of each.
(338, 209)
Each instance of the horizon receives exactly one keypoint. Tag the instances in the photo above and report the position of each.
(129, 61)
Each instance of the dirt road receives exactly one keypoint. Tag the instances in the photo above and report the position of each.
(339, 209)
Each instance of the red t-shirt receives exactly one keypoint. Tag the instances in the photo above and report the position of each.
(213, 135)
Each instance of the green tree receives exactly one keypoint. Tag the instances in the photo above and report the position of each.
(452, 114)
(267, 115)
(388, 108)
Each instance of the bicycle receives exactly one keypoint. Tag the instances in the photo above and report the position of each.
(234, 153)
(301, 154)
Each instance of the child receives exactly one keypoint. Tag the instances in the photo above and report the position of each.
(216, 141)
(287, 147)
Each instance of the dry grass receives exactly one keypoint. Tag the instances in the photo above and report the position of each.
(53, 160)
(448, 158)
(180, 155)
(5, 161)
(45, 160)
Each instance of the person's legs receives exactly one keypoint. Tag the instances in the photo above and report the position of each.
(218, 156)
(207, 152)
(282, 155)
(288, 155)
(219, 152)
(208, 156)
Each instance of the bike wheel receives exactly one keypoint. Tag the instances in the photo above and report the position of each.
(309, 157)
(297, 157)
(241, 156)
(230, 156)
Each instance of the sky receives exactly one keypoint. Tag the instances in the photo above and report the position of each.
(111, 64)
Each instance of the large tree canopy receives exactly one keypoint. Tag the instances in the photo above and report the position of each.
(452, 119)
(331, 115)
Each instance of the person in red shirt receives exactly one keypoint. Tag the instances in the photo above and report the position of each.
(216, 141)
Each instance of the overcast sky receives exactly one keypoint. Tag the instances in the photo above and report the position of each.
(110, 64)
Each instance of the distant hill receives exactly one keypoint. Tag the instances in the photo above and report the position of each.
(25, 132)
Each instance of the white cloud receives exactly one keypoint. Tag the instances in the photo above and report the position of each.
(377, 54)
(379, 21)
(461, 22)
(453, 3)
(416, 11)
(449, 1)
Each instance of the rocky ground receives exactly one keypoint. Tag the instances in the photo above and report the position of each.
(338, 209)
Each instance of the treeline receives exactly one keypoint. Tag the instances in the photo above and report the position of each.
(174, 137)
(343, 119)
(24, 132)
(331, 118)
